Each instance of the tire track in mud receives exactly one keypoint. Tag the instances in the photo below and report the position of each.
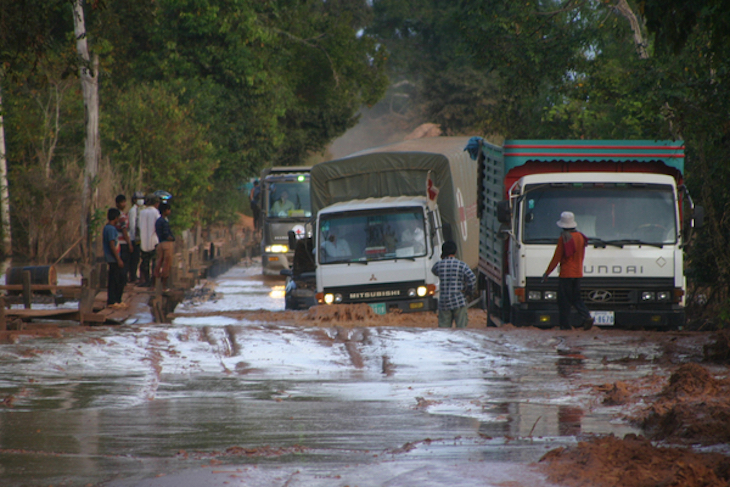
(223, 348)
(153, 348)
(354, 340)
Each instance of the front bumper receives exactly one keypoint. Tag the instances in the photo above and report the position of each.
(660, 319)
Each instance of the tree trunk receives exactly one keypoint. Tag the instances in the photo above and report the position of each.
(92, 150)
(623, 7)
(7, 241)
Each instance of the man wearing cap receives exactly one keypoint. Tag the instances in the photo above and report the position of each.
(455, 279)
(569, 253)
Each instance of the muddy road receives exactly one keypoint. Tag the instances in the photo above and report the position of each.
(235, 391)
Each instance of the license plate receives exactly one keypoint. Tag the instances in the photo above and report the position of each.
(379, 308)
(603, 318)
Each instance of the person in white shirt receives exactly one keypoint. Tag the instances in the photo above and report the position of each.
(336, 249)
(137, 206)
(148, 237)
(413, 235)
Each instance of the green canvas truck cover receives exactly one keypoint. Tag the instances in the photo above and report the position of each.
(402, 169)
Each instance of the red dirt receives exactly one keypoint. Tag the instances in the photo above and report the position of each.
(634, 462)
(692, 407)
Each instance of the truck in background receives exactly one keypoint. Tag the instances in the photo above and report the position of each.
(285, 205)
(628, 198)
(381, 216)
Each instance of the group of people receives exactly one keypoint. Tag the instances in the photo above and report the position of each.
(140, 239)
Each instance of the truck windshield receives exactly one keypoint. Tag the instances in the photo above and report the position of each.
(287, 199)
(610, 212)
(367, 236)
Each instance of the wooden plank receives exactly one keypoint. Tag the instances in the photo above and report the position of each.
(42, 313)
(92, 318)
(41, 287)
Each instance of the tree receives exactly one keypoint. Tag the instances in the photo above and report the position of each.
(272, 81)
(155, 143)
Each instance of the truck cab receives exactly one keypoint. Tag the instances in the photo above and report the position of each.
(285, 206)
(633, 269)
(630, 202)
(379, 251)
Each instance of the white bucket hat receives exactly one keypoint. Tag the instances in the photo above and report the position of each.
(567, 220)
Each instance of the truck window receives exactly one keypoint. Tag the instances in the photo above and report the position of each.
(372, 235)
(287, 199)
(610, 212)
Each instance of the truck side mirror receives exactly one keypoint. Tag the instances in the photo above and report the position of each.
(698, 216)
(292, 239)
(504, 214)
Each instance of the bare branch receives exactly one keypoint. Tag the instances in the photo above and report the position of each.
(624, 9)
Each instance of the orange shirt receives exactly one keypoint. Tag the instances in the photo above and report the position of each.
(569, 266)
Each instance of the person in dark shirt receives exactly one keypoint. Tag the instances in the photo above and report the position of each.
(166, 247)
(115, 276)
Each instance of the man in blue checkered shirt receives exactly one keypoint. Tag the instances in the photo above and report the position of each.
(456, 279)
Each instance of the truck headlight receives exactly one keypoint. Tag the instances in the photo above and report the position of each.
(422, 291)
(534, 295)
(276, 249)
(338, 298)
(663, 296)
(329, 298)
(550, 295)
(411, 293)
(648, 296)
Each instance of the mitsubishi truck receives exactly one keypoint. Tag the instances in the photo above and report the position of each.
(381, 216)
(284, 207)
(628, 198)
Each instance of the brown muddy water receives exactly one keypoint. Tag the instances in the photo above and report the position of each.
(226, 400)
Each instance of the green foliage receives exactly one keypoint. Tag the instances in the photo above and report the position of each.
(272, 81)
(155, 143)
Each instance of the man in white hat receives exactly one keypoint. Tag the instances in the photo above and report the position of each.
(569, 253)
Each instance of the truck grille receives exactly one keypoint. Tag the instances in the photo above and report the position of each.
(607, 296)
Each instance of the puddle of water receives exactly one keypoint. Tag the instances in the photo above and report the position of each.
(241, 288)
(131, 403)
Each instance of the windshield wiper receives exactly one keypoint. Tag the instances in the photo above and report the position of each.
(597, 242)
(346, 261)
(542, 240)
(630, 241)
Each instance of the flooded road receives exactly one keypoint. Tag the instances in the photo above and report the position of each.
(218, 400)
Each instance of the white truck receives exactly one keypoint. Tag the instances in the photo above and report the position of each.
(381, 216)
(629, 200)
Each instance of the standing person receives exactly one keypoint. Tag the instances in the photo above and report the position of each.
(137, 204)
(455, 279)
(115, 276)
(125, 241)
(148, 238)
(254, 196)
(166, 247)
(569, 253)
